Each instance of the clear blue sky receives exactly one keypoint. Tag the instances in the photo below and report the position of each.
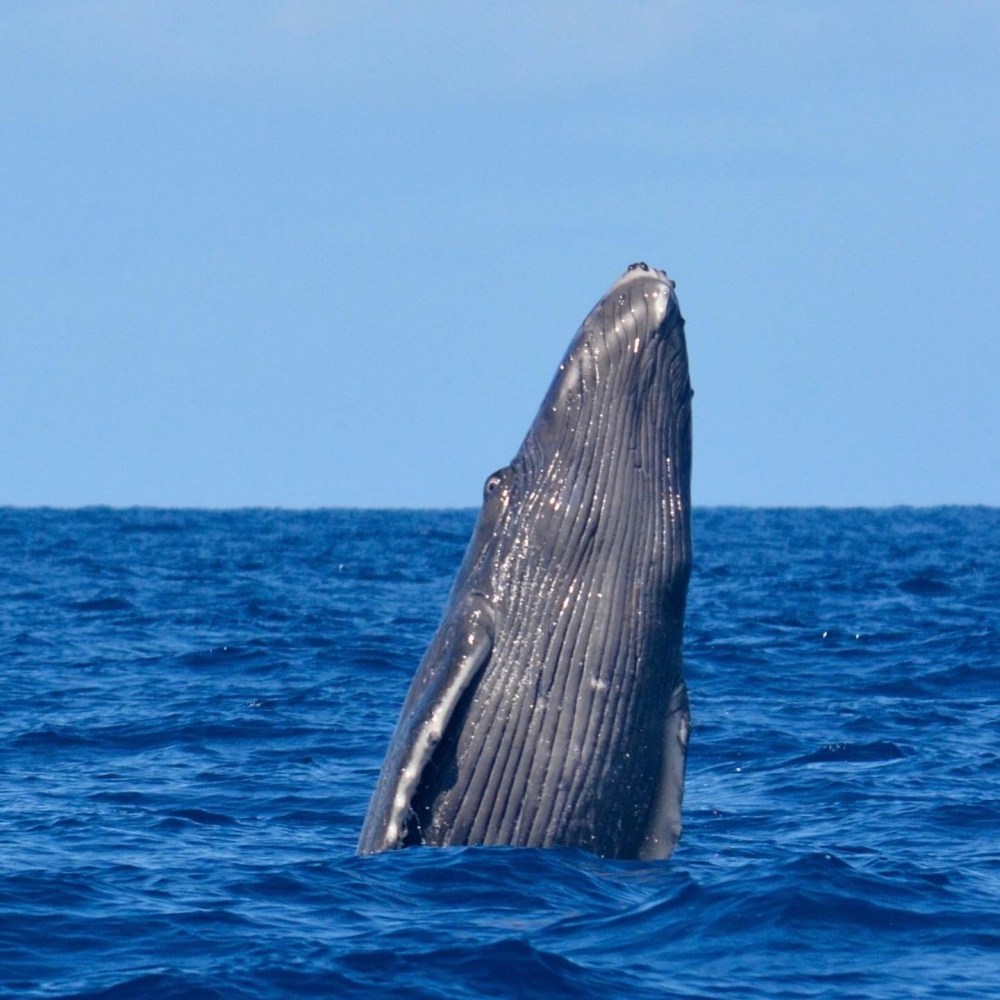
(322, 253)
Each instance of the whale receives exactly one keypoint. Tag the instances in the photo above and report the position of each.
(550, 708)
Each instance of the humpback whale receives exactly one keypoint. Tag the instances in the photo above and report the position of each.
(550, 707)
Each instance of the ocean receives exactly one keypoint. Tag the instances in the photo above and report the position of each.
(194, 706)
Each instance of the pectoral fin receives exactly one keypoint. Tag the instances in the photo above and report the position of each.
(458, 652)
(664, 828)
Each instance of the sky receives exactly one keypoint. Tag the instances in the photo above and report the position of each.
(311, 253)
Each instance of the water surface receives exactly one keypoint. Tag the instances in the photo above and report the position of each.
(194, 706)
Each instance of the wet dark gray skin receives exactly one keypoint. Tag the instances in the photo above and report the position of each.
(550, 708)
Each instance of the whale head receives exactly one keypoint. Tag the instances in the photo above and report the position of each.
(607, 459)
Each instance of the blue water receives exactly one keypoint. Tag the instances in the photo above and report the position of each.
(194, 706)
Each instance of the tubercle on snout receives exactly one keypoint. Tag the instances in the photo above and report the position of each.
(643, 266)
(651, 285)
(643, 270)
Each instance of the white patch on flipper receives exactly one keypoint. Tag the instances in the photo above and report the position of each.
(429, 732)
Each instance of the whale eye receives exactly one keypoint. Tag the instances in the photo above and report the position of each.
(493, 483)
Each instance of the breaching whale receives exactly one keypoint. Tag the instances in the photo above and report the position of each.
(550, 707)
